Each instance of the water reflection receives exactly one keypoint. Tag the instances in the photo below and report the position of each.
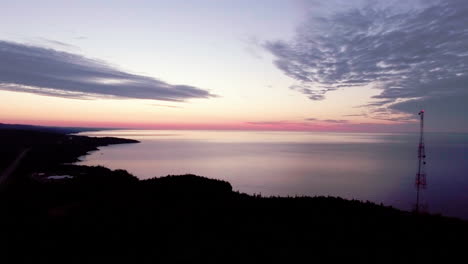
(375, 167)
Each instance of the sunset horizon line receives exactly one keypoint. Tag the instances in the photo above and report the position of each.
(234, 126)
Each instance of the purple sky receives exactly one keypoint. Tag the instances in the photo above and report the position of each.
(298, 65)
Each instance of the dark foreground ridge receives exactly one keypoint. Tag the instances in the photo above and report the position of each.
(61, 130)
(95, 215)
(48, 148)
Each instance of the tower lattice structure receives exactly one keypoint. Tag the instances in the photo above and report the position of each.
(421, 175)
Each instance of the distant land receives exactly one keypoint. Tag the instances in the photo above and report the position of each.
(53, 211)
(63, 130)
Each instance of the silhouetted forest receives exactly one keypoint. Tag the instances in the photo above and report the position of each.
(48, 148)
(105, 216)
(60, 130)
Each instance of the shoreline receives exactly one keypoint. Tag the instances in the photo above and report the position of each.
(97, 214)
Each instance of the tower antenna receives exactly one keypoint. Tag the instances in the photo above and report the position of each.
(421, 175)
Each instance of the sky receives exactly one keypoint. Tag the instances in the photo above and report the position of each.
(306, 65)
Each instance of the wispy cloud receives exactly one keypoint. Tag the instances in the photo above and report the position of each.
(312, 124)
(355, 115)
(169, 106)
(334, 121)
(57, 43)
(32, 69)
(306, 122)
(415, 53)
(274, 123)
(253, 46)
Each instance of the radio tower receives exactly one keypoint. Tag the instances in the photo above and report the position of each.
(421, 175)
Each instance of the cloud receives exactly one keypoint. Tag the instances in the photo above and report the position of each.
(274, 123)
(340, 121)
(355, 115)
(253, 46)
(330, 125)
(32, 69)
(414, 52)
(334, 121)
(445, 113)
(169, 106)
(308, 122)
(57, 43)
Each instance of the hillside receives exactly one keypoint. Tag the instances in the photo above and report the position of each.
(96, 215)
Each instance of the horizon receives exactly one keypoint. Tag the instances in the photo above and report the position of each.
(365, 66)
(225, 129)
(211, 127)
(234, 130)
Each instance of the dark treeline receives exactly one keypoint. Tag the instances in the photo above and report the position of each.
(60, 130)
(105, 216)
(47, 148)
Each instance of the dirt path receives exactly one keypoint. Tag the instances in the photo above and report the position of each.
(8, 171)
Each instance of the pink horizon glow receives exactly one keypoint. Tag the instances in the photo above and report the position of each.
(273, 126)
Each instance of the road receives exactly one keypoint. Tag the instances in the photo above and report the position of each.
(8, 171)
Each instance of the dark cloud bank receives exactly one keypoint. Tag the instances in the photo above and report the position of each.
(25, 68)
(417, 56)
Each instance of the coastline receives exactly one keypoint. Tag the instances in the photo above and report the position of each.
(102, 214)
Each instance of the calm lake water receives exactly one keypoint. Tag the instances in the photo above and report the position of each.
(377, 167)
